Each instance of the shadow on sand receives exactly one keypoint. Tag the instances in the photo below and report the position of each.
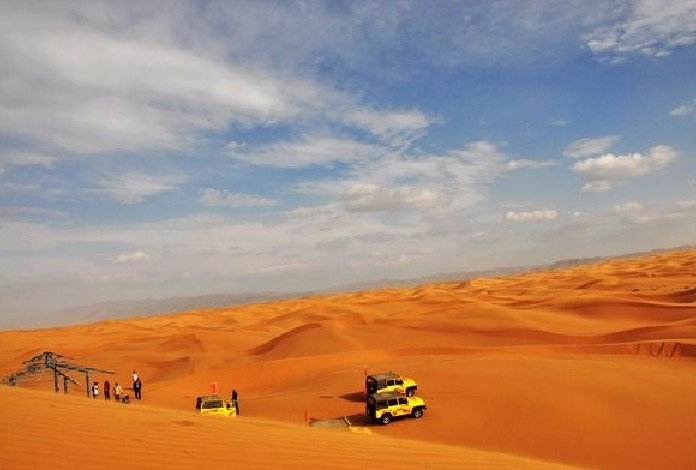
(357, 397)
(360, 420)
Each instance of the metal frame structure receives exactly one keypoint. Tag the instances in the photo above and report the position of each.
(60, 366)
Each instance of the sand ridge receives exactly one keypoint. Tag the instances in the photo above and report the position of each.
(43, 430)
(591, 365)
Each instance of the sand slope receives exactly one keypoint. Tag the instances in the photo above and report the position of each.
(592, 366)
(44, 430)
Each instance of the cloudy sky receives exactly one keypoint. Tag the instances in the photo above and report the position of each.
(152, 149)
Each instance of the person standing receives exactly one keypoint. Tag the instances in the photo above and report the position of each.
(117, 391)
(137, 388)
(95, 390)
(235, 400)
(107, 390)
(135, 380)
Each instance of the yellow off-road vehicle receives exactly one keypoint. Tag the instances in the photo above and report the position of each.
(384, 407)
(215, 405)
(390, 382)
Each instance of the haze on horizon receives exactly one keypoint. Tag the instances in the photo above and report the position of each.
(188, 148)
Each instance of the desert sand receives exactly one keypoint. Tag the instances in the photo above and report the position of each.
(591, 366)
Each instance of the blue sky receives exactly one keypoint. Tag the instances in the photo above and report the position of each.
(185, 148)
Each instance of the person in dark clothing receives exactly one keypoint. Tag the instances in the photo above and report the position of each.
(235, 400)
(107, 390)
(137, 388)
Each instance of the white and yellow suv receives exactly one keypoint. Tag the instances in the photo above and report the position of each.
(384, 407)
(390, 382)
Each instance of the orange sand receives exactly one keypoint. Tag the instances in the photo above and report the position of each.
(69, 432)
(589, 366)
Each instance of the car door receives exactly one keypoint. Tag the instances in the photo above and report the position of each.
(393, 406)
(404, 408)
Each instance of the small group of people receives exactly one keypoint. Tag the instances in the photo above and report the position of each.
(118, 390)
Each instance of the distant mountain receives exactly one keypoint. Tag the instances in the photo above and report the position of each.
(567, 263)
(442, 277)
(130, 308)
(133, 308)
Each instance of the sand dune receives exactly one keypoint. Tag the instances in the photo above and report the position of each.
(66, 432)
(592, 365)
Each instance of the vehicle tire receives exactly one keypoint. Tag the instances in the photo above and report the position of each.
(410, 392)
(385, 419)
(417, 413)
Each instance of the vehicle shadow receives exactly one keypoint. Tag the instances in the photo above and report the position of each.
(360, 420)
(357, 397)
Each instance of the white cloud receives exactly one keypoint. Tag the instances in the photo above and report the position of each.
(598, 186)
(528, 216)
(133, 257)
(126, 78)
(523, 163)
(371, 197)
(134, 187)
(455, 180)
(394, 127)
(633, 212)
(25, 159)
(587, 147)
(629, 207)
(233, 145)
(30, 212)
(684, 109)
(222, 198)
(308, 151)
(650, 28)
(375, 37)
(686, 205)
(559, 123)
(601, 173)
(91, 90)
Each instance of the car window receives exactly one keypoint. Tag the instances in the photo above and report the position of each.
(399, 382)
(393, 402)
(403, 401)
(212, 404)
(390, 383)
(381, 405)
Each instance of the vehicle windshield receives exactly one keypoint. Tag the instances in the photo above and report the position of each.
(213, 404)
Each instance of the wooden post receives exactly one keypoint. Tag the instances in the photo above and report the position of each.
(88, 383)
(661, 348)
(65, 384)
(55, 379)
(365, 382)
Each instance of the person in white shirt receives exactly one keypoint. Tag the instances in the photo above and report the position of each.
(95, 390)
(118, 390)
